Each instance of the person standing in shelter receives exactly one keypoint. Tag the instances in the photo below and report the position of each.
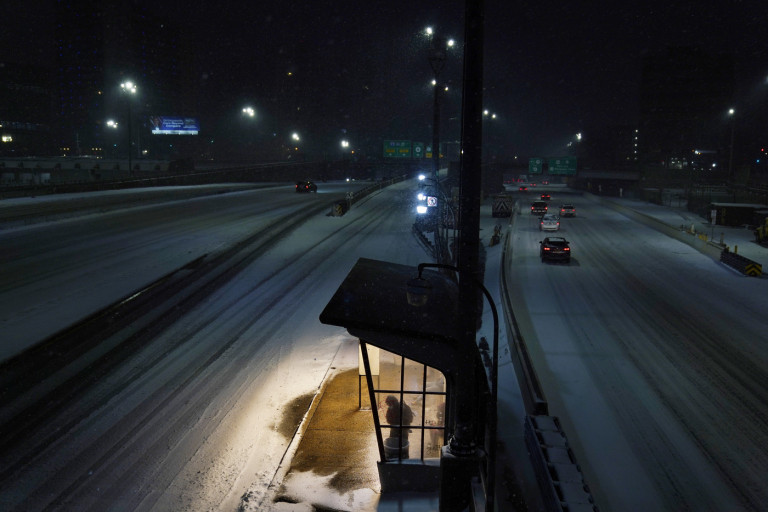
(394, 407)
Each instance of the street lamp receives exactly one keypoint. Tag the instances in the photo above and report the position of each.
(111, 123)
(249, 112)
(731, 114)
(129, 89)
(437, 55)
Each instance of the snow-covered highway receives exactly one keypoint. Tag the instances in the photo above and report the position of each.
(653, 356)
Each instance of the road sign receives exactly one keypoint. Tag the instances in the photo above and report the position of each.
(418, 150)
(564, 165)
(502, 206)
(397, 149)
(535, 165)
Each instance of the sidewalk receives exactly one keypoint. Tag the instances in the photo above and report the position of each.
(334, 466)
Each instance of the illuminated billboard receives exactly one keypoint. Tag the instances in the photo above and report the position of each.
(163, 125)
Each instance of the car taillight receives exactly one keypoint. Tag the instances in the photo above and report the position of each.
(566, 248)
(546, 248)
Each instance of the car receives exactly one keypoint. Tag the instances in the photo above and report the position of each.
(549, 222)
(545, 197)
(523, 188)
(555, 248)
(306, 186)
(567, 210)
(539, 207)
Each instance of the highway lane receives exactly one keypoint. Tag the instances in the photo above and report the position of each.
(101, 258)
(204, 413)
(651, 355)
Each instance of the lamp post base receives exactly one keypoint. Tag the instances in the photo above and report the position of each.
(456, 473)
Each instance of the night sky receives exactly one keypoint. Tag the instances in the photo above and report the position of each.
(552, 68)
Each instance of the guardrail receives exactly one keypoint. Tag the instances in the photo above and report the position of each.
(533, 396)
(340, 207)
(559, 476)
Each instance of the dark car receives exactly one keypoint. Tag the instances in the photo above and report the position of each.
(545, 197)
(539, 207)
(567, 210)
(306, 186)
(555, 248)
(523, 188)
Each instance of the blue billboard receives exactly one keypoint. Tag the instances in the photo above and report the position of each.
(165, 125)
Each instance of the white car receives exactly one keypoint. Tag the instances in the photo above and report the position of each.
(549, 222)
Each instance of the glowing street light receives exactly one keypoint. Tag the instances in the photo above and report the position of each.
(731, 114)
(249, 112)
(438, 53)
(129, 90)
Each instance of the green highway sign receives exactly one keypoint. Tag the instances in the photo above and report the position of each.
(565, 165)
(418, 150)
(535, 165)
(397, 149)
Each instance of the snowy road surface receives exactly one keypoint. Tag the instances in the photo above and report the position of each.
(183, 425)
(655, 359)
(653, 356)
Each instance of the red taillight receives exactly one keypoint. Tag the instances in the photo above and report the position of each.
(546, 248)
(566, 248)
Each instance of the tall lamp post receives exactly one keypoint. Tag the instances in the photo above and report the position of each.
(112, 124)
(731, 113)
(437, 55)
(129, 89)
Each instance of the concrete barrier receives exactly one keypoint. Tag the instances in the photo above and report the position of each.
(702, 245)
(744, 265)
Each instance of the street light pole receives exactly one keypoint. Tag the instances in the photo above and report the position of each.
(437, 56)
(129, 88)
(731, 113)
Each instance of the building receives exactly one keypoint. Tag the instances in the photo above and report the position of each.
(685, 94)
(26, 101)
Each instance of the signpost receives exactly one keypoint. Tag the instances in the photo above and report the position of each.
(397, 149)
(535, 165)
(565, 165)
(418, 150)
